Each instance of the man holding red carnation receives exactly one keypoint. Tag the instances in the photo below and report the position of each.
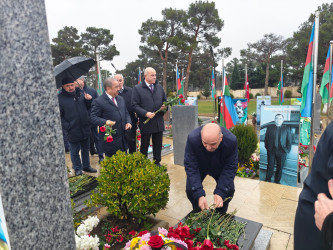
(210, 150)
(110, 109)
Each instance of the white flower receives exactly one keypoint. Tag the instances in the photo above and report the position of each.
(87, 242)
(87, 225)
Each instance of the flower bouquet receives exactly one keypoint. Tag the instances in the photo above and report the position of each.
(205, 230)
(108, 132)
(171, 101)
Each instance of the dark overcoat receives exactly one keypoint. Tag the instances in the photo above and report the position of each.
(285, 138)
(143, 101)
(306, 234)
(104, 109)
(221, 164)
(127, 95)
(74, 115)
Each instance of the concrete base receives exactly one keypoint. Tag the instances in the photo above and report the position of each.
(263, 239)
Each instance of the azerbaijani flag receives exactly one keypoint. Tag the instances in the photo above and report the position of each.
(179, 84)
(228, 116)
(280, 87)
(213, 86)
(247, 88)
(325, 82)
(100, 88)
(139, 76)
(181, 90)
(307, 82)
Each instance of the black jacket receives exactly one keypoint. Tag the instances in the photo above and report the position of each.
(143, 101)
(285, 138)
(104, 109)
(220, 164)
(74, 115)
(306, 234)
(127, 95)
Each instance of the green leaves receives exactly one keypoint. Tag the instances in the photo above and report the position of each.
(131, 186)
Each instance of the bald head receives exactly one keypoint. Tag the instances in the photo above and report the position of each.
(211, 136)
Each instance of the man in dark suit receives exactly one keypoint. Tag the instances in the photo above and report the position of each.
(75, 120)
(148, 97)
(126, 93)
(94, 147)
(210, 150)
(110, 109)
(278, 145)
(307, 235)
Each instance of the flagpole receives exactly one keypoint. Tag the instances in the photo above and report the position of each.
(222, 93)
(281, 88)
(245, 79)
(176, 77)
(329, 83)
(315, 64)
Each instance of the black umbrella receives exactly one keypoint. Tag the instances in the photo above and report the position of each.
(73, 67)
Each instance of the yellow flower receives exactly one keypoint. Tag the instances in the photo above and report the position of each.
(134, 242)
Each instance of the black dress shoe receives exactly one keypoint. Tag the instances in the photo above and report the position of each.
(90, 170)
(78, 172)
(93, 152)
(100, 160)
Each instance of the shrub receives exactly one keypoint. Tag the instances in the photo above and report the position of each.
(251, 96)
(231, 95)
(131, 186)
(199, 97)
(258, 94)
(287, 94)
(246, 141)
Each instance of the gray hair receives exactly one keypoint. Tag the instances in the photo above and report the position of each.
(109, 81)
(147, 70)
(81, 78)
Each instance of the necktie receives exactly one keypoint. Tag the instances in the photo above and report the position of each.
(151, 88)
(114, 101)
(277, 137)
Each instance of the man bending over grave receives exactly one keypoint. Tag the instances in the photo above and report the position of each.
(211, 150)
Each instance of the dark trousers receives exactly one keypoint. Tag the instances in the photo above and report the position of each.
(75, 148)
(195, 202)
(64, 133)
(132, 141)
(157, 145)
(94, 142)
(278, 157)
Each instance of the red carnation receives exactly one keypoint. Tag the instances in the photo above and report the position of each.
(173, 235)
(181, 96)
(138, 137)
(120, 238)
(226, 242)
(109, 139)
(198, 229)
(207, 245)
(182, 100)
(156, 241)
(143, 233)
(189, 243)
(102, 129)
(132, 233)
(314, 148)
(171, 230)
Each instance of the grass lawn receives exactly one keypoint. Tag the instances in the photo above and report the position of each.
(206, 107)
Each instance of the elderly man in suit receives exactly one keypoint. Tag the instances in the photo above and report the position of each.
(110, 109)
(126, 93)
(148, 97)
(210, 150)
(278, 145)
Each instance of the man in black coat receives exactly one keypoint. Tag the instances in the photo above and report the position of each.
(148, 97)
(210, 150)
(94, 146)
(126, 93)
(278, 145)
(306, 234)
(110, 109)
(75, 120)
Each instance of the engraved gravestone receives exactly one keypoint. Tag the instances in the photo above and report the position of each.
(33, 174)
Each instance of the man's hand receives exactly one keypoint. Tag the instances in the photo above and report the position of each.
(128, 126)
(163, 107)
(110, 123)
(218, 201)
(150, 115)
(87, 96)
(203, 203)
(323, 206)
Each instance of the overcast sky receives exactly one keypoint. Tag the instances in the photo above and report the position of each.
(245, 21)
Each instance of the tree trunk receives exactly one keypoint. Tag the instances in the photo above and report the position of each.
(165, 75)
(266, 78)
(188, 73)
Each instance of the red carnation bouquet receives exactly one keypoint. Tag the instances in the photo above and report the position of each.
(108, 132)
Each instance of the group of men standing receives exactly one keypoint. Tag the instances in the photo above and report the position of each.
(82, 111)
